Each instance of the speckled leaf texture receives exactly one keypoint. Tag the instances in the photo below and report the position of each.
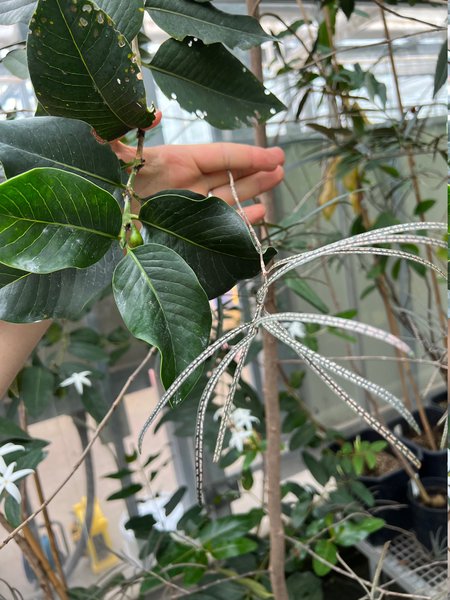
(82, 67)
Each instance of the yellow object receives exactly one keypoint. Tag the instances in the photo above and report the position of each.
(329, 189)
(99, 541)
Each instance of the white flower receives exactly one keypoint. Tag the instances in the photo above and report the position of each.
(243, 419)
(7, 474)
(241, 425)
(296, 330)
(239, 437)
(78, 380)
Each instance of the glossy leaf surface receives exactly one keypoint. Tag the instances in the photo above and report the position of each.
(162, 303)
(209, 234)
(51, 220)
(81, 66)
(183, 18)
(65, 294)
(211, 82)
(66, 144)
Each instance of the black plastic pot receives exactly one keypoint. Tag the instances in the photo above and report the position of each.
(434, 462)
(430, 524)
(390, 493)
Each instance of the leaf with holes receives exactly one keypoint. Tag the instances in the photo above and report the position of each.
(80, 65)
(52, 220)
(16, 11)
(62, 295)
(127, 16)
(66, 144)
(210, 235)
(211, 82)
(183, 18)
(162, 303)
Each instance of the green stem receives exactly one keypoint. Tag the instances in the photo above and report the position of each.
(137, 164)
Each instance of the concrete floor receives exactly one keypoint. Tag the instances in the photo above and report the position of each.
(63, 451)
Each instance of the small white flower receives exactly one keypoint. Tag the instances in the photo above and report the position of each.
(243, 419)
(78, 380)
(7, 474)
(297, 330)
(239, 437)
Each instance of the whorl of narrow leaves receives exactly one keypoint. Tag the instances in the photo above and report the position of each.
(82, 67)
(51, 220)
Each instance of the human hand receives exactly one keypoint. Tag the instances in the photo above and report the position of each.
(203, 168)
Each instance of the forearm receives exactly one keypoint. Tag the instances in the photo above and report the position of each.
(16, 344)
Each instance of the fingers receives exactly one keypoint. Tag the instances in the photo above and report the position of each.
(157, 120)
(227, 156)
(128, 151)
(250, 186)
(255, 213)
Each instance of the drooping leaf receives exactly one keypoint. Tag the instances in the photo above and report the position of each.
(16, 63)
(66, 144)
(36, 386)
(51, 220)
(162, 303)
(211, 82)
(305, 291)
(81, 65)
(441, 73)
(210, 236)
(183, 18)
(174, 500)
(230, 527)
(64, 294)
(127, 16)
(16, 11)
(126, 492)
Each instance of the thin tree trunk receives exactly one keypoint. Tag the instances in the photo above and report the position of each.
(270, 391)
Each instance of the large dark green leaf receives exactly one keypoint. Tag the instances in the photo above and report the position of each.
(16, 11)
(211, 82)
(305, 586)
(127, 16)
(162, 303)
(230, 527)
(182, 18)
(36, 389)
(65, 144)
(210, 236)
(51, 220)
(61, 295)
(81, 66)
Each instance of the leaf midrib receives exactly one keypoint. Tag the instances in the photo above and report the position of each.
(155, 293)
(218, 25)
(57, 162)
(85, 65)
(39, 221)
(192, 243)
(200, 85)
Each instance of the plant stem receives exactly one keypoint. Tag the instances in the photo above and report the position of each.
(270, 391)
(31, 558)
(48, 526)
